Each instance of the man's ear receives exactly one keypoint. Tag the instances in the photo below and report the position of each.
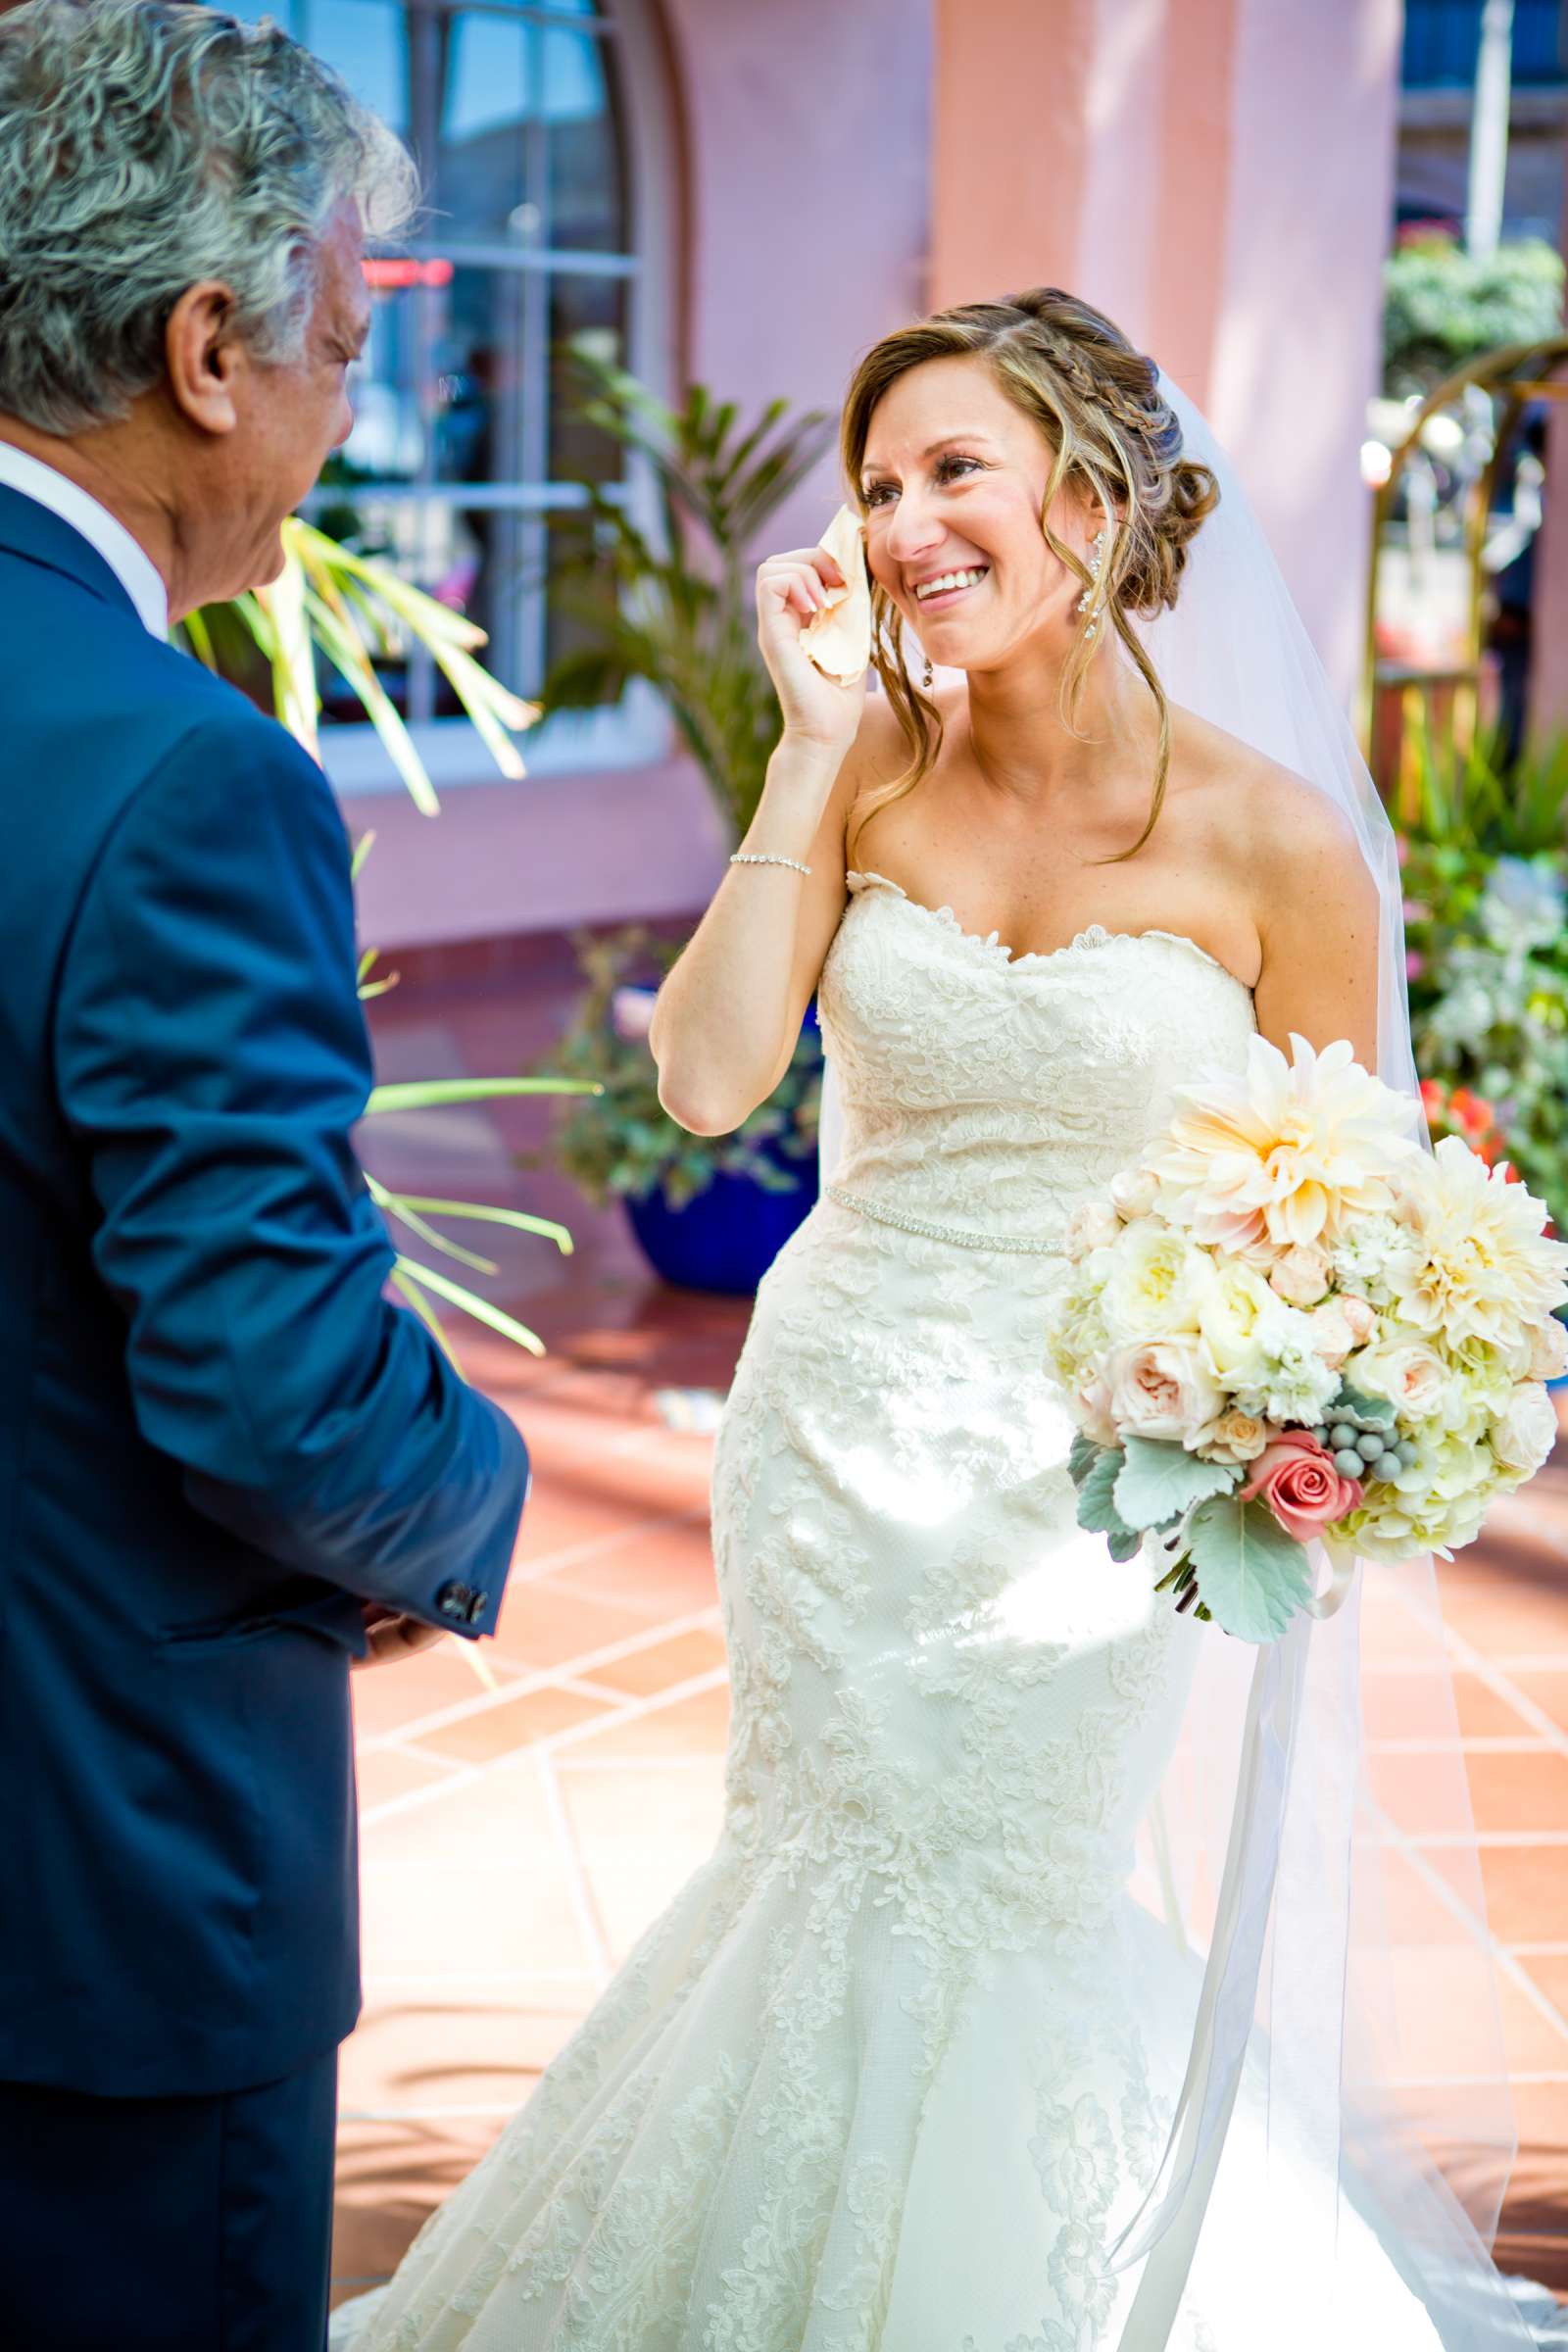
(205, 357)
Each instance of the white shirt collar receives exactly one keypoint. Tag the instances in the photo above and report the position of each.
(131, 563)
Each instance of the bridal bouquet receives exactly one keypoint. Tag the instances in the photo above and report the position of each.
(1289, 1323)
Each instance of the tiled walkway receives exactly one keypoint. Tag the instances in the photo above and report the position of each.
(527, 1810)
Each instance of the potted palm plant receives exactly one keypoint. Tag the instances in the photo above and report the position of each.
(667, 599)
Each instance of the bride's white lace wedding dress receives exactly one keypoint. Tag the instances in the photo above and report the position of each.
(900, 2058)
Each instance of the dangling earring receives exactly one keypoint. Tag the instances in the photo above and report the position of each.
(1097, 556)
(930, 673)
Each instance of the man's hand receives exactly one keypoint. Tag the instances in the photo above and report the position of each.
(391, 1635)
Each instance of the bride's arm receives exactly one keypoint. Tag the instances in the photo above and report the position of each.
(726, 1019)
(1316, 907)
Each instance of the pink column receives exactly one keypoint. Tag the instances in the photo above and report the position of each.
(1216, 174)
(1010, 144)
(1297, 348)
(1548, 649)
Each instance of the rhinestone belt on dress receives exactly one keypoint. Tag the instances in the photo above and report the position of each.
(1035, 1243)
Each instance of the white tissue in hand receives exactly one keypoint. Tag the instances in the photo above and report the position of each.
(838, 639)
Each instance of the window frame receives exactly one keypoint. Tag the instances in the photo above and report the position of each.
(636, 731)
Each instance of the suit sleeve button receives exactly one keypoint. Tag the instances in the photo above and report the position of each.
(455, 1601)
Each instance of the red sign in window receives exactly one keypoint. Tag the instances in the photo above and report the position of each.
(392, 275)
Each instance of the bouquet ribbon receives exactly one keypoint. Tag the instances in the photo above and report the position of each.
(1166, 2224)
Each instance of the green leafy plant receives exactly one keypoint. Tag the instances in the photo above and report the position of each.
(681, 612)
(353, 611)
(413, 1278)
(1486, 883)
(1442, 305)
(671, 602)
(619, 1142)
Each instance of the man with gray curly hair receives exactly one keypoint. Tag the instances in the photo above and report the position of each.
(228, 1466)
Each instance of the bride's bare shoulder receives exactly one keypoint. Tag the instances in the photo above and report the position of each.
(1275, 819)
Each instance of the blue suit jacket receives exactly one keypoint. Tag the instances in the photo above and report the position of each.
(216, 1433)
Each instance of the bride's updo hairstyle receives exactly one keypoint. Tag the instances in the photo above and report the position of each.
(1096, 401)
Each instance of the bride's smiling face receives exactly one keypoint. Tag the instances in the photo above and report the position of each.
(954, 483)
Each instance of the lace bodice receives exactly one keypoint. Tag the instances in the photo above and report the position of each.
(994, 1090)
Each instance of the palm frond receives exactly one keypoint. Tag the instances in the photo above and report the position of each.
(683, 618)
(425, 1093)
(495, 1318)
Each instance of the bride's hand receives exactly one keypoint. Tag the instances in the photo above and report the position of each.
(791, 589)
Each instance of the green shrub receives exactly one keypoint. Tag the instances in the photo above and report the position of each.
(1442, 305)
(1486, 882)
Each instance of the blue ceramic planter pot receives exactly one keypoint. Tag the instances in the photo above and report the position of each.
(728, 1236)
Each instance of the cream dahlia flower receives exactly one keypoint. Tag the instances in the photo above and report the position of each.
(1485, 1269)
(1283, 1151)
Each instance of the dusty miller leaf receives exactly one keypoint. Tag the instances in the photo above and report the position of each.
(1159, 1480)
(1252, 1576)
(1096, 1509)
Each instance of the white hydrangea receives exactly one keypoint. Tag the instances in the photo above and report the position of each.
(1291, 1382)
(1374, 1256)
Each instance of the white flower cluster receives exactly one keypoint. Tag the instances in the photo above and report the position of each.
(1285, 1282)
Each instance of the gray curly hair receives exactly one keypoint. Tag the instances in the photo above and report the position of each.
(146, 146)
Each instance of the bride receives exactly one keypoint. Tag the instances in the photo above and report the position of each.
(913, 2062)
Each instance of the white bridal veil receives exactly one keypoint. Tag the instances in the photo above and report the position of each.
(1330, 1916)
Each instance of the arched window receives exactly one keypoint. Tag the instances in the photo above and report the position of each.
(543, 216)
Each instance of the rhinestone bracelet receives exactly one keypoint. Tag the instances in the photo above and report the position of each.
(766, 857)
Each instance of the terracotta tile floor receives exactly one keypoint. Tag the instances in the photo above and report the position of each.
(526, 1812)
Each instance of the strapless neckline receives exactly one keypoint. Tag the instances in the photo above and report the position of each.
(1092, 937)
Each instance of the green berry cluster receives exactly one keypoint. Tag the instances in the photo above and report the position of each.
(1365, 1452)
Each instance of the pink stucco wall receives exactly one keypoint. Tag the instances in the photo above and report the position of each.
(1297, 341)
(1216, 174)
(808, 145)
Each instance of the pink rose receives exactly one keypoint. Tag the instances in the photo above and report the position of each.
(1161, 1389)
(1300, 1275)
(1549, 1351)
(1358, 1314)
(1092, 1225)
(1236, 1436)
(1093, 1413)
(1527, 1430)
(1295, 1477)
(1332, 1334)
(1134, 1192)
